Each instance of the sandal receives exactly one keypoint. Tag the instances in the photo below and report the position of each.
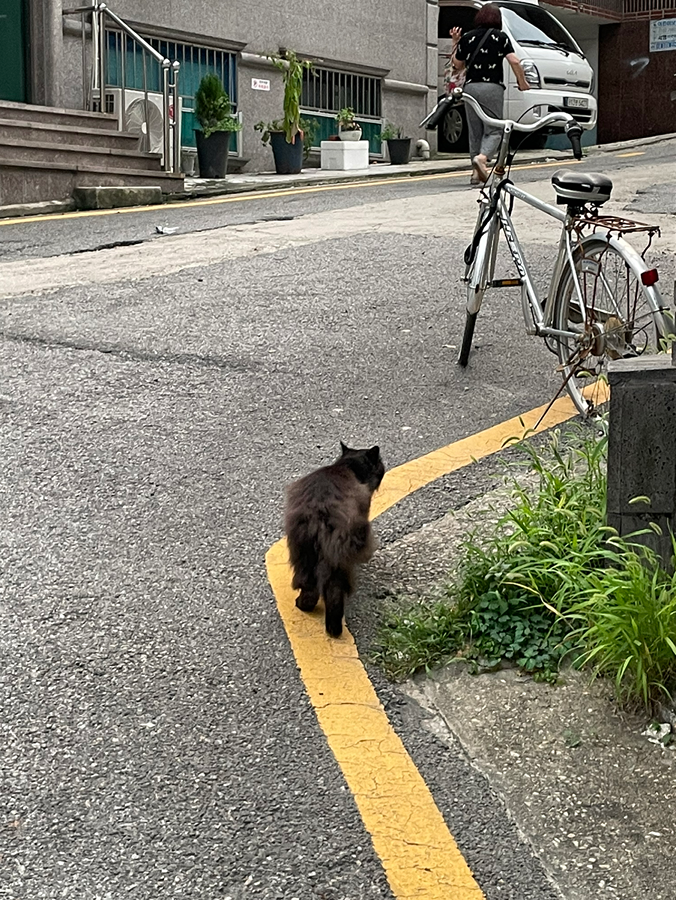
(480, 170)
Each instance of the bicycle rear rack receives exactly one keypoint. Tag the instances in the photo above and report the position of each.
(591, 223)
(613, 223)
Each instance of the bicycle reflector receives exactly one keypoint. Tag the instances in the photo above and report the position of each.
(650, 277)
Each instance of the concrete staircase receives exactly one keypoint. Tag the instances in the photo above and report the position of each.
(45, 153)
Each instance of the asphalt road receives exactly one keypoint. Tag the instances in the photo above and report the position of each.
(155, 399)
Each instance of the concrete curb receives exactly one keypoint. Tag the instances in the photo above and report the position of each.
(45, 207)
(628, 145)
(378, 172)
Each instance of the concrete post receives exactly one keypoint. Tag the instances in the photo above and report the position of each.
(642, 450)
(53, 51)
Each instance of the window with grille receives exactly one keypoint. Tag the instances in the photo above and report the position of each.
(327, 91)
(127, 65)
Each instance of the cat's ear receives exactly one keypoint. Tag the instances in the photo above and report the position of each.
(374, 453)
(344, 448)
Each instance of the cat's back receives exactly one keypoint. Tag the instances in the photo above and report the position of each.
(337, 496)
(329, 486)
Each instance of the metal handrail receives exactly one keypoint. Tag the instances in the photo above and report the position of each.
(133, 34)
(94, 93)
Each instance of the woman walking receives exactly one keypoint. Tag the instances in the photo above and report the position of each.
(482, 51)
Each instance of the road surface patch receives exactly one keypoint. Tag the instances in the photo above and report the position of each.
(419, 855)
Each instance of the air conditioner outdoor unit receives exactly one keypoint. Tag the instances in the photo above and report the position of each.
(143, 114)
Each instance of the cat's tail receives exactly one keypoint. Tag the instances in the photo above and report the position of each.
(335, 584)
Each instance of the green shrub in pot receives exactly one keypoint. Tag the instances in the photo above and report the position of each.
(213, 111)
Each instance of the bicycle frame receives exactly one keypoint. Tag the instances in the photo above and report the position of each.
(482, 270)
(483, 266)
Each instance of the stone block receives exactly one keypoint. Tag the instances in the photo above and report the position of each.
(345, 155)
(116, 197)
(642, 449)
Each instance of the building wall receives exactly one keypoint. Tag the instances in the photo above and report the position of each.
(635, 85)
(387, 38)
(380, 33)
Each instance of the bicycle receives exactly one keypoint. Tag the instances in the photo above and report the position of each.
(602, 302)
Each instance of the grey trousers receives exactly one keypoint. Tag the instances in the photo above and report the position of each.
(484, 138)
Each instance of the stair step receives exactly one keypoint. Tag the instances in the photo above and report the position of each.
(74, 118)
(73, 155)
(75, 166)
(65, 134)
(21, 184)
(46, 153)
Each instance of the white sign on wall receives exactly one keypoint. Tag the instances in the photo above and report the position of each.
(260, 84)
(662, 35)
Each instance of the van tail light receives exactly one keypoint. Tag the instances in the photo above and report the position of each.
(650, 277)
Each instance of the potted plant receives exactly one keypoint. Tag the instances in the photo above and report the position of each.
(308, 130)
(398, 146)
(286, 135)
(348, 129)
(213, 112)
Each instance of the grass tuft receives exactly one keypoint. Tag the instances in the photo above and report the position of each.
(552, 579)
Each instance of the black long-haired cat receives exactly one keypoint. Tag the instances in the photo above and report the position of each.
(328, 530)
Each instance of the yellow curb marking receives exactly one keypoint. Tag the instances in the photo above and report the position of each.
(633, 153)
(259, 195)
(419, 855)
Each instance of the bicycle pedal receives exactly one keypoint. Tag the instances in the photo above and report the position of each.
(506, 282)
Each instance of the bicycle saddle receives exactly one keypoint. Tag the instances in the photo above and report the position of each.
(573, 188)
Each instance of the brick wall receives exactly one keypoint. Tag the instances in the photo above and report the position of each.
(635, 85)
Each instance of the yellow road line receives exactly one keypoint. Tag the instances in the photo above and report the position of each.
(418, 853)
(257, 195)
(633, 153)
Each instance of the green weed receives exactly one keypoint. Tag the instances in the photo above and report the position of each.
(626, 621)
(550, 580)
(418, 637)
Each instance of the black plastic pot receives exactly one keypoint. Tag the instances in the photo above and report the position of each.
(288, 157)
(212, 153)
(399, 150)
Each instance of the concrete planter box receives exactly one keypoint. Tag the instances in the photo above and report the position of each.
(345, 155)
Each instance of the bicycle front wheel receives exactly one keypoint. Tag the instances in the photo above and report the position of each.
(478, 274)
(613, 315)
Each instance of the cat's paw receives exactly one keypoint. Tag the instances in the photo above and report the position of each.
(334, 627)
(307, 600)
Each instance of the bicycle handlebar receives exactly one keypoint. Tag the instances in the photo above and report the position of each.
(562, 118)
(572, 127)
(574, 133)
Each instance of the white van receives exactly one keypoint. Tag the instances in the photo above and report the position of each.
(556, 68)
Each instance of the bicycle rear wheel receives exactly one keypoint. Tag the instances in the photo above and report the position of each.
(615, 316)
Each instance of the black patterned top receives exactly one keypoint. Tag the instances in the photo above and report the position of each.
(487, 63)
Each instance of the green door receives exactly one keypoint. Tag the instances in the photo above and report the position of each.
(12, 51)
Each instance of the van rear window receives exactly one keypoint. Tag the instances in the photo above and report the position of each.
(535, 27)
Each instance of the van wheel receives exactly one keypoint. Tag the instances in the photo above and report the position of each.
(452, 136)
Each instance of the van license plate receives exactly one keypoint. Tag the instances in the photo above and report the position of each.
(577, 102)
